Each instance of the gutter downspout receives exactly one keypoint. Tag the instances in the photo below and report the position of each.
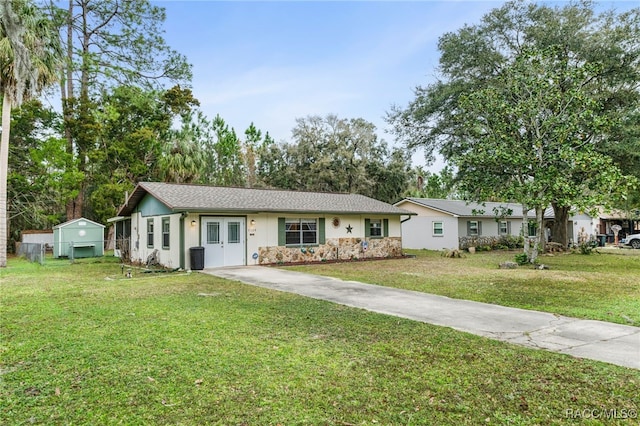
(401, 236)
(182, 254)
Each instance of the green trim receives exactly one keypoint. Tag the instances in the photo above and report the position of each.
(479, 228)
(367, 228)
(321, 233)
(385, 227)
(282, 237)
(182, 258)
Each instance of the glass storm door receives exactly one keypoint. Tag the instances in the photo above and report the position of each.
(223, 241)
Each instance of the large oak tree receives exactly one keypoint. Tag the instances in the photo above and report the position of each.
(476, 58)
(529, 137)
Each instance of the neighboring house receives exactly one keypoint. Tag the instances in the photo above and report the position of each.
(602, 224)
(242, 226)
(446, 224)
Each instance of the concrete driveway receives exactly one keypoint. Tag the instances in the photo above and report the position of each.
(613, 343)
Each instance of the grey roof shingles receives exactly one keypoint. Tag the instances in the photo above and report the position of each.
(467, 209)
(199, 198)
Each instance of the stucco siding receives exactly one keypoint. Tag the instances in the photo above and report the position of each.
(420, 210)
(339, 242)
(141, 248)
(581, 224)
(417, 233)
(262, 238)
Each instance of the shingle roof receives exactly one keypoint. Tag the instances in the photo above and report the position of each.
(179, 197)
(465, 208)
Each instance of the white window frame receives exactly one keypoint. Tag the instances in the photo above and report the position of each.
(166, 234)
(504, 231)
(375, 228)
(441, 228)
(301, 232)
(471, 228)
(150, 233)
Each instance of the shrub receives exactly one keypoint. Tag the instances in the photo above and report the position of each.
(587, 247)
(504, 242)
(511, 241)
(454, 254)
(522, 258)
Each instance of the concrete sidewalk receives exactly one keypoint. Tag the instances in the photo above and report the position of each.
(613, 343)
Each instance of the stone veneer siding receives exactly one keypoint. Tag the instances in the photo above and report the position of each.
(333, 249)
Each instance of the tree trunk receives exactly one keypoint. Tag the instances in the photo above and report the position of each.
(4, 173)
(538, 243)
(74, 205)
(66, 92)
(559, 229)
(525, 229)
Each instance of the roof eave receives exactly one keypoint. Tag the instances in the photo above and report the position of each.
(296, 211)
(428, 206)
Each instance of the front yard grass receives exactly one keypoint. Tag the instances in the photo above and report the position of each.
(599, 286)
(81, 344)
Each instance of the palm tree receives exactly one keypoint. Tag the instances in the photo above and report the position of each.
(29, 62)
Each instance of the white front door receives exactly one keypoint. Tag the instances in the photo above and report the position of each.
(223, 239)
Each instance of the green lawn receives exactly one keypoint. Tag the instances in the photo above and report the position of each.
(80, 344)
(599, 286)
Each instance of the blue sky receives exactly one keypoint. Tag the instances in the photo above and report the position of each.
(270, 62)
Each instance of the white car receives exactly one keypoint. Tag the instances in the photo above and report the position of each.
(632, 240)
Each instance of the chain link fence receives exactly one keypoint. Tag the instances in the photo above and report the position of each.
(34, 252)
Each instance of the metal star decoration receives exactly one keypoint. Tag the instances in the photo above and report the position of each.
(349, 229)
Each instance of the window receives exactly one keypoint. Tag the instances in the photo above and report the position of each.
(438, 229)
(233, 232)
(213, 232)
(474, 228)
(150, 233)
(301, 231)
(504, 227)
(166, 226)
(375, 228)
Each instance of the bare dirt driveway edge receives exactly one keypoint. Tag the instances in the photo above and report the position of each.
(598, 340)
